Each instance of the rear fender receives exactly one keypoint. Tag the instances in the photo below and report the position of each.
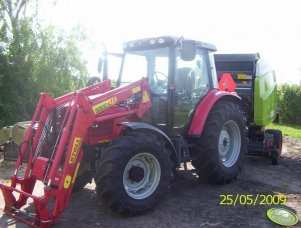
(204, 107)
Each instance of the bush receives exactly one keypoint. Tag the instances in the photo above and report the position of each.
(289, 102)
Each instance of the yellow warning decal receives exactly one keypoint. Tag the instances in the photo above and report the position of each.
(75, 149)
(145, 97)
(75, 173)
(67, 182)
(104, 105)
(243, 76)
(136, 89)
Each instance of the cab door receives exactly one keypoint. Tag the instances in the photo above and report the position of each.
(158, 73)
(191, 85)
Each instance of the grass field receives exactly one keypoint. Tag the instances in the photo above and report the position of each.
(287, 129)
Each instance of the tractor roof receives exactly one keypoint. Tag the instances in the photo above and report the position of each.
(161, 41)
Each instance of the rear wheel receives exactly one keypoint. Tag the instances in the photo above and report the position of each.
(133, 173)
(222, 146)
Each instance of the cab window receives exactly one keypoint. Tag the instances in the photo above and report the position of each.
(192, 83)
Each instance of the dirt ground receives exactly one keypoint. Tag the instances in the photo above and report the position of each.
(191, 204)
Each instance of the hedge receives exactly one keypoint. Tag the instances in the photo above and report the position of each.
(289, 102)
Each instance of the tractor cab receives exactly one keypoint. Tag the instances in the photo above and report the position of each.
(180, 73)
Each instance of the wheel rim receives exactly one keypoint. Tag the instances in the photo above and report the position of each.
(229, 143)
(141, 176)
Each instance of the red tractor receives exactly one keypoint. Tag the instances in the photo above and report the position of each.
(132, 138)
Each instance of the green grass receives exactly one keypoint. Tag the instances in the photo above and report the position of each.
(288, 129)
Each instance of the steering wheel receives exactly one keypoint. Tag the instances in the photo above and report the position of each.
(161, 84)
(159, 72)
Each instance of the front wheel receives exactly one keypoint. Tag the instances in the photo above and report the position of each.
(133, 173)
(222, 146)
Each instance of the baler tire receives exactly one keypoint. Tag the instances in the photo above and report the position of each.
(275, 158)
(224, 131)
(278, 140)
(114, 184)
(84, 176)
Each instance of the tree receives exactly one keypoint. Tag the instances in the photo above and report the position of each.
(33, 59)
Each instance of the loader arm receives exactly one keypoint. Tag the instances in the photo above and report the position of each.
(54, 142)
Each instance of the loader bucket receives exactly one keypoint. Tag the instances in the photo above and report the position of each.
(15, 198)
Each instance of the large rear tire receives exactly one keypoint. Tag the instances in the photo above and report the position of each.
(222, 146)
(133, 173)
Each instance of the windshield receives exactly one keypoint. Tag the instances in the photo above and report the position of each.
(152, 64)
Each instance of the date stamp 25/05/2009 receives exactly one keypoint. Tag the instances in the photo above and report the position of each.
(252, 199)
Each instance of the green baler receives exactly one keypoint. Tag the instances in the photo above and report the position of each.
(265, 95)
(256, 85)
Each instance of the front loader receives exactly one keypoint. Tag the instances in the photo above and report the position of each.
(131, 136)
(55, 142)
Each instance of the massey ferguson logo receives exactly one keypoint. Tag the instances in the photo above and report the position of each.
(75, 149)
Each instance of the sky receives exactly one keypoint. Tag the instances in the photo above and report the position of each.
(272, 28)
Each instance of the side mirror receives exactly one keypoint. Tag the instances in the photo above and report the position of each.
(188, 50)
(103, 63)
